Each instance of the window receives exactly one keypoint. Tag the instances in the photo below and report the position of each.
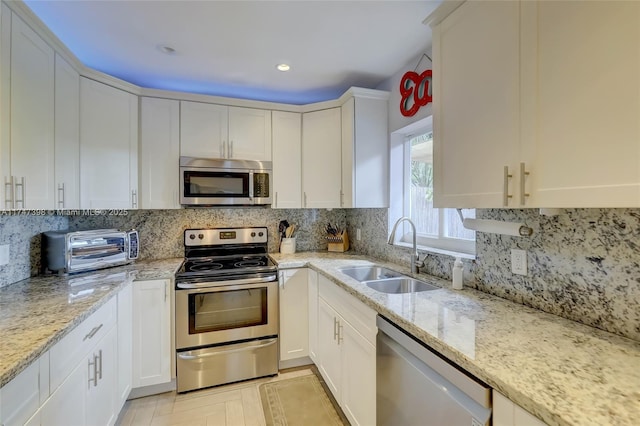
(436, 228)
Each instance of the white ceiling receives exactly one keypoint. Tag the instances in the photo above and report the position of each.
(231, 48)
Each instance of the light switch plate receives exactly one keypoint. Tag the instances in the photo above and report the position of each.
(519, 261)
(358, 234)
(4, 254)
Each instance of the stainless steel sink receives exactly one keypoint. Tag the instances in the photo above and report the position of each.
(399, 285)
(369, 272)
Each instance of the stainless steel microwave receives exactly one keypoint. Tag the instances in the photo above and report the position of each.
(220, 182)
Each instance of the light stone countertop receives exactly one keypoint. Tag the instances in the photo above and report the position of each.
(563, 372)
(37, 312)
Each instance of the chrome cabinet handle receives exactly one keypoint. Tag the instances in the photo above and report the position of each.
(22, 192)
(61, 195)
(305, 199)
(165, 291)
(8, 193)
(505, 190)
(340, 339)
(134, 199)
(92, 333)
(523, 175)
(231, 150)
(100, 364)
(93, 364)
(224, 149)
(341, 198)
(335, 328)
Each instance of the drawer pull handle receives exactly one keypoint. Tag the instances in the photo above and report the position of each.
(92, 333)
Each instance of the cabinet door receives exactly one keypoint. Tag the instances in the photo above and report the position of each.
(67, 405)
(249, 134)
(582, 149)
(20, 398)
(294, 314)
(67, 136)
(108, 147)
(359, 377)
(101, 392)
(330, 363)
(5, 104)
(151, 333)
(476, 105)
(365, 153)
(321, 158)
(287, 171)
(124, 345)
(203, 130)
(313, 315)
(160, 153)
(32, 119)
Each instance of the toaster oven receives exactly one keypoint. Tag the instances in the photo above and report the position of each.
(65, 252)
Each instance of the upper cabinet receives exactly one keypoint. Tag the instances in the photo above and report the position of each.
(67, 135)
(108, 147)
(365, 151)
(524, 116)
(159, 153)
(219, 131)
(286, 133)
(321, 158)
(27, 147)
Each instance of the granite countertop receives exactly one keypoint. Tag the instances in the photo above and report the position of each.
(563, 372)
(37, 312)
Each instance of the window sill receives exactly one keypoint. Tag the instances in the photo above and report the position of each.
(437, 251)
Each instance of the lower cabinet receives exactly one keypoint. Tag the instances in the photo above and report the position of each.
(124, 345)
(507, 413)
(346, 352)
(151, 333)
(313, 314)
(294, 314)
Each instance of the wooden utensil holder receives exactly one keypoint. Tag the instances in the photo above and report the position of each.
(338, 243)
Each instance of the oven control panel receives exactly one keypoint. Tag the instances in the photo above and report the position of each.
(218, 236)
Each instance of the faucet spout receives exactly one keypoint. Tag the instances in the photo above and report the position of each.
(416, 263)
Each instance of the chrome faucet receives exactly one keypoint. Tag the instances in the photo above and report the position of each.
(416, 263)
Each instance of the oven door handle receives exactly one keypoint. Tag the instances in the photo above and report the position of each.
(266, 279)
(187, 356)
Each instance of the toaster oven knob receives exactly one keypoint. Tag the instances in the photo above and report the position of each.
(201, 236)
(253, 234)
(260, 234)
(192, 236)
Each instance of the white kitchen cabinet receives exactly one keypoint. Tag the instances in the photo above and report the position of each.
(321, 158)
(524, 118)
(151, 333)
(287, 171)
(249, 134)
(313, 314)
(159, 153)
(476, 104)
(581, 141)
(124, 346)
(108, 147)
(67, 135)
(507, 413)
(294, 314)
(220, 131)
(102, 381)
(67, 405)
(27, 149)
(5, 101)
(346, 351)
(20, 398)
(365, 151)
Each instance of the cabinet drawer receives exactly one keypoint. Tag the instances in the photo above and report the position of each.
(69, 352)
(360, 316)
(20, 398)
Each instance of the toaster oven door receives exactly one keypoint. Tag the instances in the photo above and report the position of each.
(87, 251)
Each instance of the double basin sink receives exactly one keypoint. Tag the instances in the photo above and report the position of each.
(385, 280)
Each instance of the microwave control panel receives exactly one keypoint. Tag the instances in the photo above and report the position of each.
(261, 185)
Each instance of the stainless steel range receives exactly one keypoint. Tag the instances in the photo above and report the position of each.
(226, 308)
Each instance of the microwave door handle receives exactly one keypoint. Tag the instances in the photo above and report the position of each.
(251, 187)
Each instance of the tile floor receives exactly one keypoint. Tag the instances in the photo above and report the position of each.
(231, 405)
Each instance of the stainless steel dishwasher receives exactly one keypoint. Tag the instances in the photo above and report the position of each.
(417, 387)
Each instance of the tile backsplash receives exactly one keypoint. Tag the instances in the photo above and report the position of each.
(583, 264)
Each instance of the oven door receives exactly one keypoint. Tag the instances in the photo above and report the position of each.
(225, 313)
(200, 186)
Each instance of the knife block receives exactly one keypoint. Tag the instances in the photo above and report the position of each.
(338, 243)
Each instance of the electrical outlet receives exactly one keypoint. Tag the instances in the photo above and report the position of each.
(519, 261)
(4, 254)
(358, 234)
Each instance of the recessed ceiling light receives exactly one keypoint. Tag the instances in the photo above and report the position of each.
(283, 67)
(167, 49)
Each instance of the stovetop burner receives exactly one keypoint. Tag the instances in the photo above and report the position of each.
(220, 254)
